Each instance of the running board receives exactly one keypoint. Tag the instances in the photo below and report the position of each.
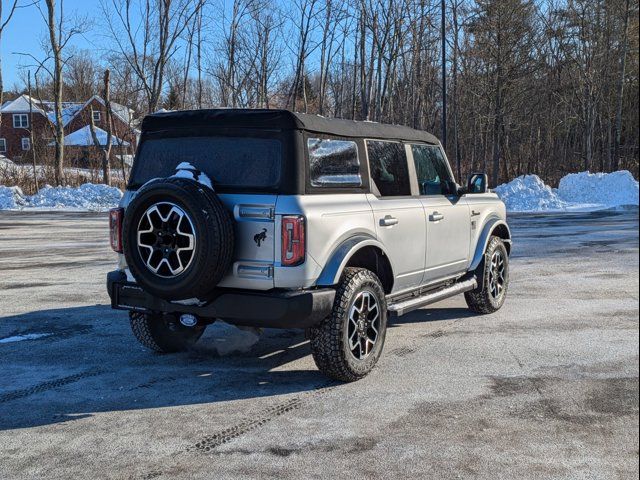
(406, 306)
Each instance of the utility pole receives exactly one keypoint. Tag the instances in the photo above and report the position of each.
(33, 149)
(444, 77)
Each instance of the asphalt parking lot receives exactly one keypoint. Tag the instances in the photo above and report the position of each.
(546, 387)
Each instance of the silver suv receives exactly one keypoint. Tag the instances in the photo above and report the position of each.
(269, 218)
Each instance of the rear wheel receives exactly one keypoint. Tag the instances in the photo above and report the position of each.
(347, 344)
(163, 333)
(493, 273)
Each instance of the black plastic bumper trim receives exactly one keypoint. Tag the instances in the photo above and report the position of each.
(273, 309)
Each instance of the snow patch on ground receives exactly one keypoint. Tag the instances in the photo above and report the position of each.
(26, 336)
(577, 191)
(85, 197)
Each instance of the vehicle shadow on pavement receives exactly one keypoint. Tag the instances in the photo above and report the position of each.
(431, 314)
(60, 364)
(65, 364)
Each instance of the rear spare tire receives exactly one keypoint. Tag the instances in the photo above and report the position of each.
(177, 238)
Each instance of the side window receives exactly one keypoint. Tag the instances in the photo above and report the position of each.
(389, 169)
(333, 163)
(431, 169)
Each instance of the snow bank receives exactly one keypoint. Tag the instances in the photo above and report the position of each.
(86, 197)
(577, 191)
(606, 189)
(11, 198)
(529, 194)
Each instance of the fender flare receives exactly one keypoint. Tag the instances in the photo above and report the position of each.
(483, 240)
(331, 272)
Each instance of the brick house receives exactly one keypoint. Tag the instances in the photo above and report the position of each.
(16, 125)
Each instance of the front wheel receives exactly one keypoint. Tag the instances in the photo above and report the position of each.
(163, 333)
(347, 344)
(493, 273)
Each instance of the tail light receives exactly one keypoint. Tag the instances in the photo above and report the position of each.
(115, 228)
(293, 241)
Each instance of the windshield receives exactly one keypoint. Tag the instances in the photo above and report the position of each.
(228, 161)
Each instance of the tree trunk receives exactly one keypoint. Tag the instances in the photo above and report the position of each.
(57, 93)
(620, 91)
(105, 150)
(33, 148)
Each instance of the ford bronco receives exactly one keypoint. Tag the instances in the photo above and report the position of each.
(268, 218)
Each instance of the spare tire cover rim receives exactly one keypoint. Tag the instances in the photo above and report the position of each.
(166, 239)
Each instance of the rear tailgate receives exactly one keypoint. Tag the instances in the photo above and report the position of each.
(254, 253)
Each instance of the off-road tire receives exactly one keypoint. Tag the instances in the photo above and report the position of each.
(213, 228)
(328, 339)
(163, 333)
(480, 300)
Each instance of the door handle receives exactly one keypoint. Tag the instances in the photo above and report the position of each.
(474, 213)
(388, 220)
(436, 217)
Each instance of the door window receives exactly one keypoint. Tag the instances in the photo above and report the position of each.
(389, 169)
(431, 169)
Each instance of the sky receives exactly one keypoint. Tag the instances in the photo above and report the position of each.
(26, 31)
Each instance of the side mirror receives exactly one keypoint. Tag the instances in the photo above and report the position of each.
(478, 183)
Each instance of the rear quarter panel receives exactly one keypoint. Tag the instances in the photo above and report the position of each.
(330, 220)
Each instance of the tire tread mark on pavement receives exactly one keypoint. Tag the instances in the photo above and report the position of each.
(48, 385)
(408, 350)
(402, 351)
(210, 442)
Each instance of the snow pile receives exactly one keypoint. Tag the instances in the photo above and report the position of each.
(577, 191)
(85, 197)
(529, 194)
(607, 189)
(11, 198)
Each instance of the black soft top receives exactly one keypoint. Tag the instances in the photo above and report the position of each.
(281, 120)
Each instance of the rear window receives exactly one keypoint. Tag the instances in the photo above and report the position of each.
(228, 161)
(333, 163)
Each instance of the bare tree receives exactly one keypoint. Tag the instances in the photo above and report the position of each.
(304, 21)
(148, 39)
(620, 86)
(60, 31)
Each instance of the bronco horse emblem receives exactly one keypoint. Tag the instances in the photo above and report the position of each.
(260, 237)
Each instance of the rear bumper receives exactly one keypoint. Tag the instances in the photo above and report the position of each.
(274, 309)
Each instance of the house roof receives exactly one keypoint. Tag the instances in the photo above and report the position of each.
(83, 138)
(284, 120)
(69, 109)
(21, 105)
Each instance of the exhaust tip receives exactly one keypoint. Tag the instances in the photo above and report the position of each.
(188, 320)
